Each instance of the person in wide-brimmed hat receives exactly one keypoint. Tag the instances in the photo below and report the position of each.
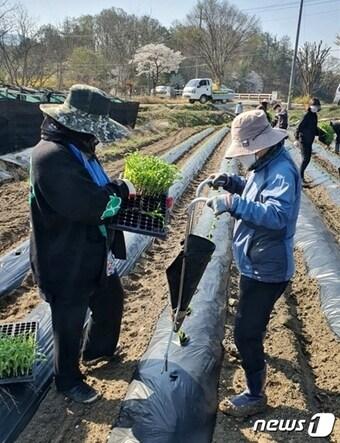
(265, 206)
(72, 243)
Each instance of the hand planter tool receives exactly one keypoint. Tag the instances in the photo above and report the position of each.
(186, 271)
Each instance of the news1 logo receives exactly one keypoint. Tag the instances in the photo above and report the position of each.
(320, 425)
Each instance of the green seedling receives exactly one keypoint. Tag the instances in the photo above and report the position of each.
(149, 174)
(18, 355)
(183, 338)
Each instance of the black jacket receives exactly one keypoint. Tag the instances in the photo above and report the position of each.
(336, 128)
(307, 129)
(281, 120)
(67, 249)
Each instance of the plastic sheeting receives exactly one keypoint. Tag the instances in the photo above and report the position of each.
(13, 268)
(15, 265)
(179, 406)
(321, 251)
(14, 420)
(320, 177)
(322, 255)
(325, 154)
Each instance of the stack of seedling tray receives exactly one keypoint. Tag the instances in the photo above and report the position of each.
(147, 215)
(18, 352)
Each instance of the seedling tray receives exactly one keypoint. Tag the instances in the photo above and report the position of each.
(144, 215)
(17, 329)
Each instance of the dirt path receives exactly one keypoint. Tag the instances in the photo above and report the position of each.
(14, 221)
(146, 296)
(303, 358)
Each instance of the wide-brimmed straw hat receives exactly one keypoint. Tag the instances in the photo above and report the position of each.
(251, 132)
(87, 110)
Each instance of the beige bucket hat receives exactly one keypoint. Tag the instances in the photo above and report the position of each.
(251, 132)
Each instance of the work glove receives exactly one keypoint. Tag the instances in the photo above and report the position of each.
(218, 180)
(112, 207)
(221, 203)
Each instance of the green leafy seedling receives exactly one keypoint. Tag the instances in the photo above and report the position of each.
(183, 338)
(149, 174)
(18, 355)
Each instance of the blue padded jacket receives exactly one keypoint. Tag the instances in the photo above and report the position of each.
(266, 207)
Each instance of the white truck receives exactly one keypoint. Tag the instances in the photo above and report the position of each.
(202, 90)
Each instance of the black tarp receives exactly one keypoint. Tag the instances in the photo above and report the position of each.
(20, 122)
(19, 125)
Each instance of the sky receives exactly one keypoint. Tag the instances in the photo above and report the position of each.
(321, 18)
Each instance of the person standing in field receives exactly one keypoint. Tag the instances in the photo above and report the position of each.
(281, 117)
(305, 133)
(263, 106)
(336, 128)
(72, 244)
(265, 206)
(238, 108)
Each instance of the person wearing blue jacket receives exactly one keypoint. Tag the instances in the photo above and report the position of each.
(265, 206)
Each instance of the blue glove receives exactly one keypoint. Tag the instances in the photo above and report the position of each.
(220, 204)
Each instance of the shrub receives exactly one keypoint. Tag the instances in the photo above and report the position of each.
(328, 133)
(149, 174)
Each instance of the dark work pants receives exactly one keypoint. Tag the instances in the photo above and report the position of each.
(102, 332)
(306, 152)
(256, 303)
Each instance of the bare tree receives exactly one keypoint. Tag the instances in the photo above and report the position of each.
(217, 31)
(311, 61)
(23, 51)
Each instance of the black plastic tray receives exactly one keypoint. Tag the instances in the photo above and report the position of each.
(15, 329)
(134, 215)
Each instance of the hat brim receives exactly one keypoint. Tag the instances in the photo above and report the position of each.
(104, 128)
(269, 138)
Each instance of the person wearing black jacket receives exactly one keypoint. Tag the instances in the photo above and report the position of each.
(305, 133)
(336, 128)
(72, 245)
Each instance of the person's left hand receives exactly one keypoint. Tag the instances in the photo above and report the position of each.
(221, 203)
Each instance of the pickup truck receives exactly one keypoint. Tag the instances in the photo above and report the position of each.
(201, 89)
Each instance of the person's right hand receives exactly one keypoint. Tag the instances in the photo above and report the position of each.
(218, 180)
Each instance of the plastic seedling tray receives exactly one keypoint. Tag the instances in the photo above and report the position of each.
(141, 214)
(15, 330)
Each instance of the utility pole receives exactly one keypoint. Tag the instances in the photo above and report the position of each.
(292, 73)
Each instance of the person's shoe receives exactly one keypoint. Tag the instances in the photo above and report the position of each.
(82, 393)
(243, 405)
(250, 402)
